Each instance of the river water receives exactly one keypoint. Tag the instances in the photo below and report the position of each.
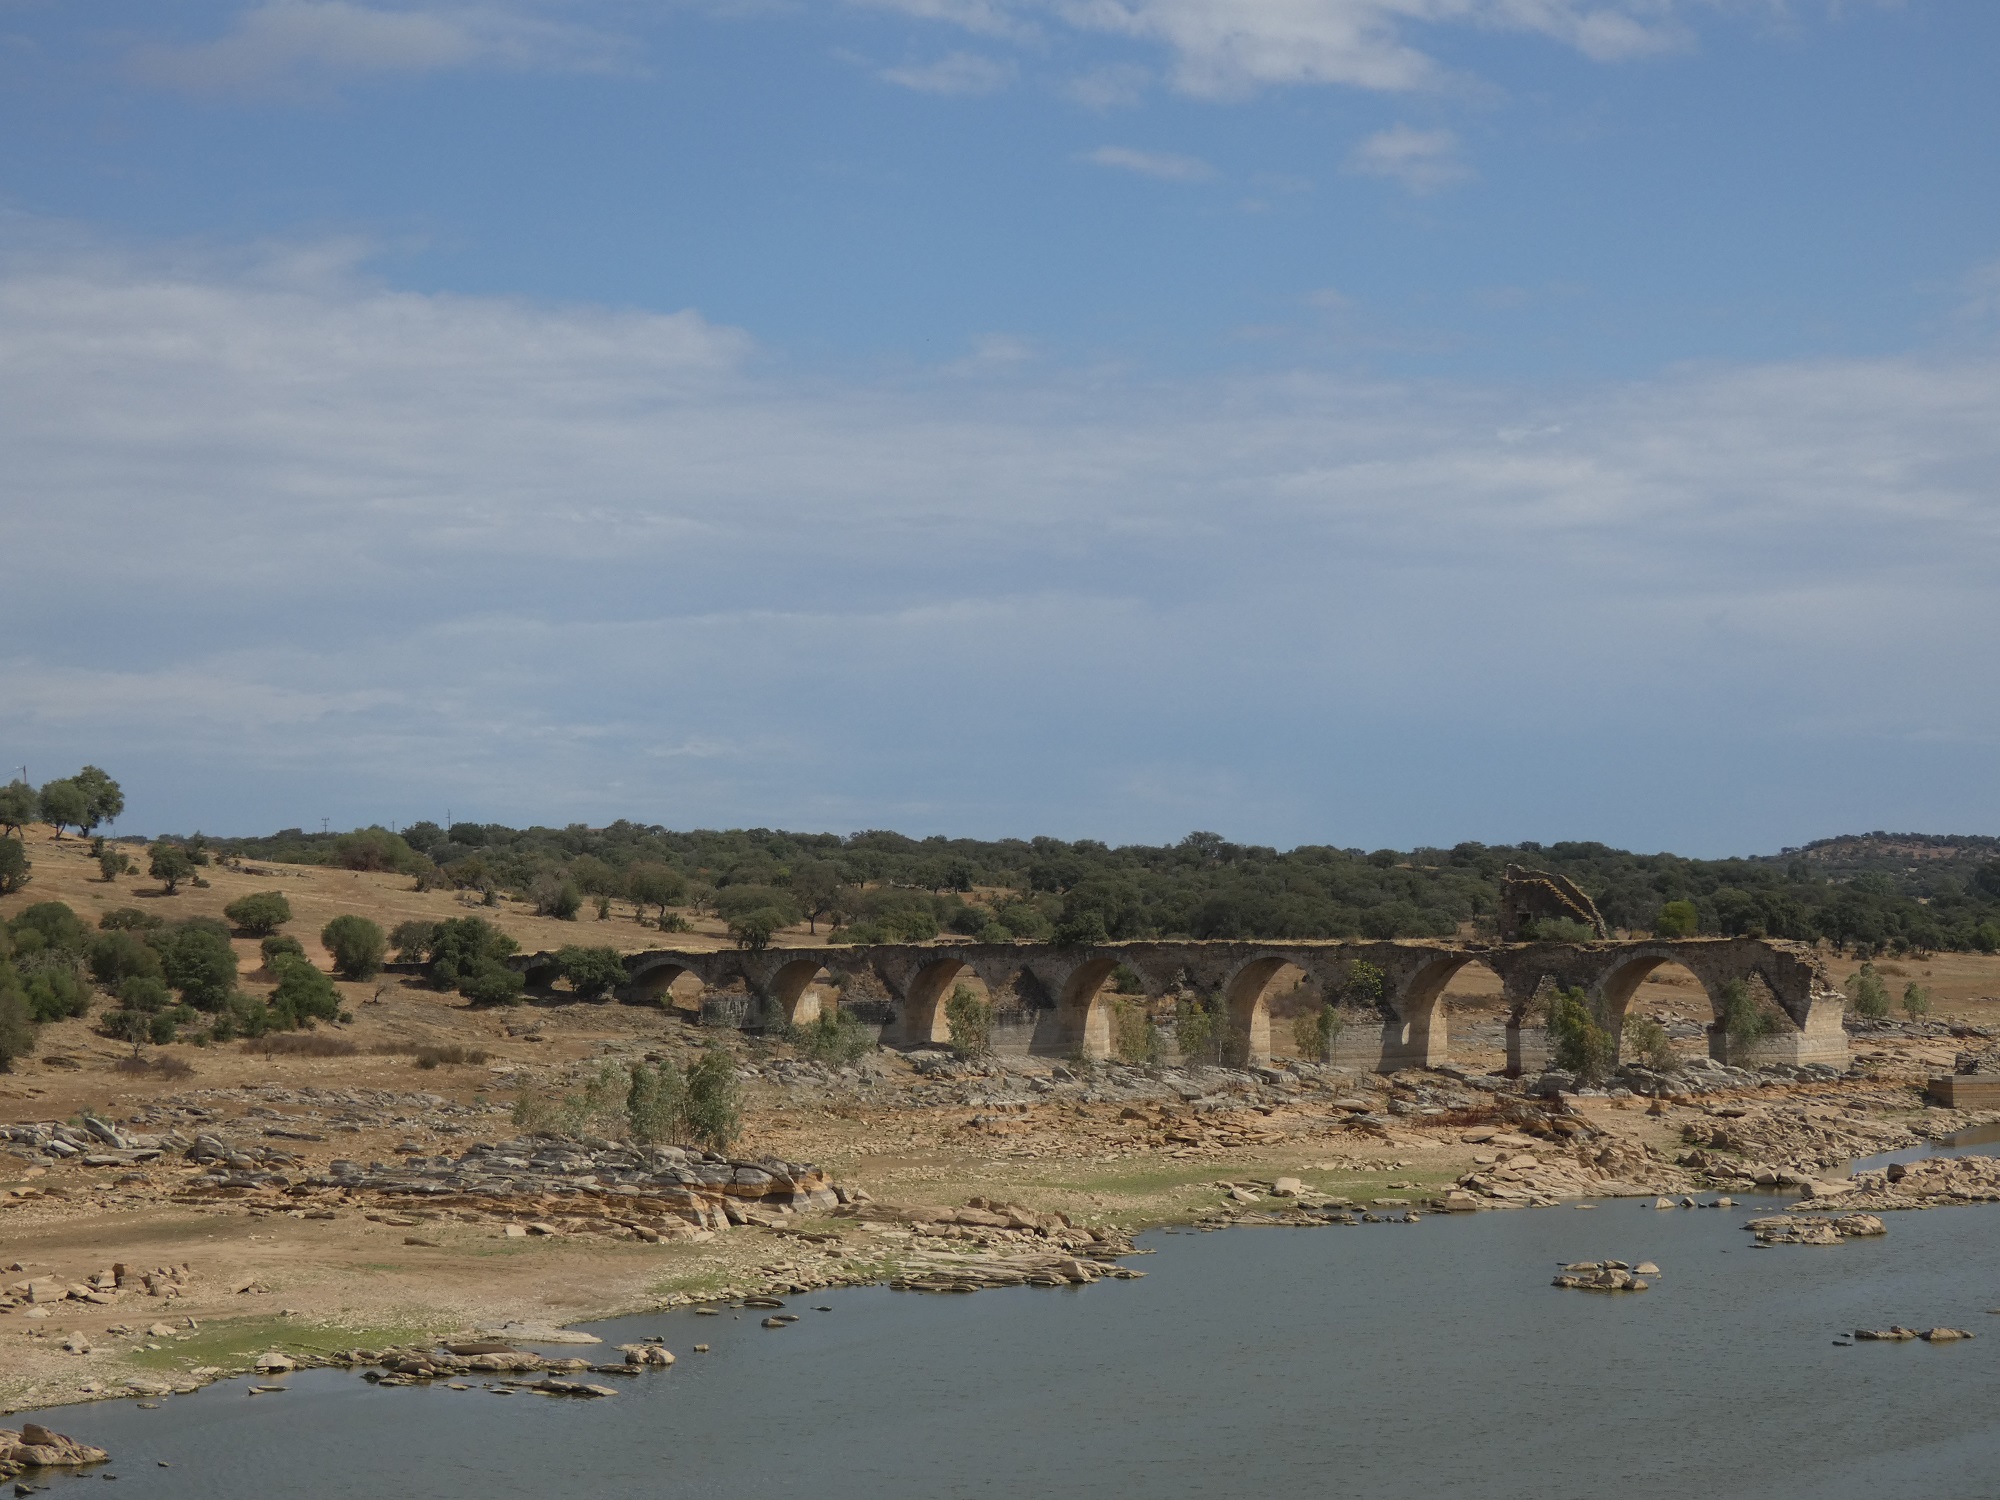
(1375, 1361)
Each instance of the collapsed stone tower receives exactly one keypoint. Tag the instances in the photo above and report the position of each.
(1536, 895)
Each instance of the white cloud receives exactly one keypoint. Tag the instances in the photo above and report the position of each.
(1422, 160)
(959, 73)
(289, 45)
(1161, 164)
(1225, 47)
(571, 562)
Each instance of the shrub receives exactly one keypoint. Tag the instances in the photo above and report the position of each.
(1314, 1031)
(1365, 984)
(304, 995)
(969, 1022)
(656, 1104)
(169, 864)
(278, 943)
(111, 863)
(118, 956)
(492, 983)
(993, 932)
(54, 924)
(259, 914)
(1134, 1037)
(1203, 1032)
(1916, 1000)
(197, 961)
(1868, 993)
(462, 948)
(1743, 1019)
(1083, 930)
(413, 941)
(145, 992)
(1646, 1040)
(1577, 1043)
(14, 866)
(1677, 919)
(600, 1107)
(375, 848)
(449, 1055)
(713, 1111)
(129, 919)
(556, 896)
(832, 1037)
(17, 1026)
(302, 1044)
(753, 930)
(591, 972)
(356, 944)
(55, 992)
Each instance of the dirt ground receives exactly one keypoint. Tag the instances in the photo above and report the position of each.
(355, 1277)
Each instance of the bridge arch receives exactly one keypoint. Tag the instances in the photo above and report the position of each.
(795, 991)
(669, 985)
(1246, 998)
(1083, 1015)
(923, 1020)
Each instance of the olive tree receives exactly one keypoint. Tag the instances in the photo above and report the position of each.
(357, 945)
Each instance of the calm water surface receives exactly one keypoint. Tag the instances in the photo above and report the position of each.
(1423, 1360)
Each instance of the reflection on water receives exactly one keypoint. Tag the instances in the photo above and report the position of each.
(1385, 1361)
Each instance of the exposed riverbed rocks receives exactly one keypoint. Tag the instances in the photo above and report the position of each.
(36, 1447)
(1810, 1229)
(1934, 1182)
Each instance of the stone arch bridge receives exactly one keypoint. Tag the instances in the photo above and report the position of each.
(1071, 993)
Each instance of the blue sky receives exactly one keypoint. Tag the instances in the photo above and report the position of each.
(1355, 421)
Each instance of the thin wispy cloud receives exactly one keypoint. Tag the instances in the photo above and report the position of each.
(1422, 160)
(960, 73)
(291, 45)
(1227, 47)
(1163, 165)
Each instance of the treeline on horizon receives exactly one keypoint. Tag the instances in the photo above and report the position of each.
(1868, 893)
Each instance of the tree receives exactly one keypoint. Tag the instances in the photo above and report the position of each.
(1743, 1020)
(654, 885)
(1869, 994)
(412, 940)
(817, 887)
(198, 961)
(492, 983)
(14, 866)
(591, 972)
(467, 948)
(64, 804)
(17, 1027)
(969, 1022)
(277, 943)
(50, 924)
(752, 930)
(118, 956)
(714, 1113)
(1314, 1031)
(357, 945)
(103, 801)
(304, 994)
(170, 865)
(259, 914)
(1677, 919)
(55, 991)
(18, 806)
(1083, 930)
(656, 1104)
(1577, 1043)
(555, 895)
(1916, 1000)
(111, 863)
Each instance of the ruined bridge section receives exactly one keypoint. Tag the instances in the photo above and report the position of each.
(1407, 1029)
